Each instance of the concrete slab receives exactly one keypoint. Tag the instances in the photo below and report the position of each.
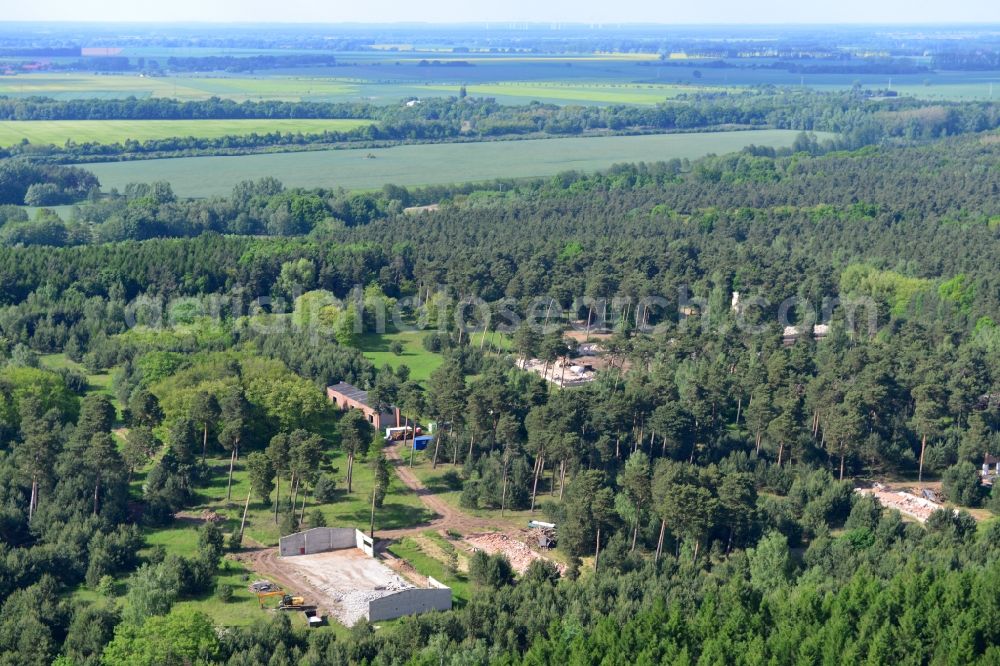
(347, 580)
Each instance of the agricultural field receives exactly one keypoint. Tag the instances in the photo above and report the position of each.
(430, 163)
(58, 132)
(561, 92)
(388, 77)
(940, 85)
(239, 88)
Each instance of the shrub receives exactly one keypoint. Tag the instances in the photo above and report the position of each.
(106, 586)
(541, 571)
(961, 484)
(452, 480)
(993, 503)
(433, 343)
(325, 490)
(490, 570)
(289, 524)
(224, 593)
(317, 519)
(573, 570)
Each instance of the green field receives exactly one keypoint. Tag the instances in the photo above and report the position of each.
(430, 163)
(389, 77)
(376, 348)
(76, 85)
(114, 131)
(520, 92)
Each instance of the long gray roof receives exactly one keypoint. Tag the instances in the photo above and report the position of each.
(352, 392)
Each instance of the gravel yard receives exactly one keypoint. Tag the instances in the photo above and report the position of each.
(346, 580)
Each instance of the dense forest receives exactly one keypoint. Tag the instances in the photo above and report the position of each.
(703, 484)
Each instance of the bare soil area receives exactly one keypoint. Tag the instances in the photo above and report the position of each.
(338, 582)
(519, 553)
(904, 502)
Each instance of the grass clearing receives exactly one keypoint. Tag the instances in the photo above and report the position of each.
(98, 382)
(242, 609)
(402, 507)
(376, 348)
(58, 132)
(436, 482)
(409, 549)
(428, 164)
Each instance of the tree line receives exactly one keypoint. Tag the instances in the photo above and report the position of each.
(856, 118)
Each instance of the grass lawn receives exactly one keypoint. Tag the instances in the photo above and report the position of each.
(402, 507)
(497, 340)
(414, 551)
(376, 348)
(428, 164)
(58, 132)
(100, 382)
(242, 609)
(435, 481)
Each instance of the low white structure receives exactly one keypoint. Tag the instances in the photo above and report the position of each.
(332, 562)
(991, 468)
(322, 539)
(437, 596)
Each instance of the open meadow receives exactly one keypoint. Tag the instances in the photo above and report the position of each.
(428, 164)
(58, 132)
(584, 93)
(388, 78)
(77, 85)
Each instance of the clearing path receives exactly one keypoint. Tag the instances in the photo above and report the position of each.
(447, 516)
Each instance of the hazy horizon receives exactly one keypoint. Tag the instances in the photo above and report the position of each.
(388, 12)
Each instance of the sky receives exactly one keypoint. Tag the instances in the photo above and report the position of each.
(544, 11)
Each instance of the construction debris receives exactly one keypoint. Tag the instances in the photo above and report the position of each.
(519, 554)
(560, 372)
(263, 586)
(345, 581)
(906, 503)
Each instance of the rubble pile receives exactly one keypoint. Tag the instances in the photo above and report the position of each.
(906, 503)
(560, 373)
(354, 603)
(519, 554)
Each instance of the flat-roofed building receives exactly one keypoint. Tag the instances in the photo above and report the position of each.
(347, 396)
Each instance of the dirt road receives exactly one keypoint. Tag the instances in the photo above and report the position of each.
(447, 516)
(264, 563)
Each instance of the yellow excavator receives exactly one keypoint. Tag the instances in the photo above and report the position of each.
(288, 602)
